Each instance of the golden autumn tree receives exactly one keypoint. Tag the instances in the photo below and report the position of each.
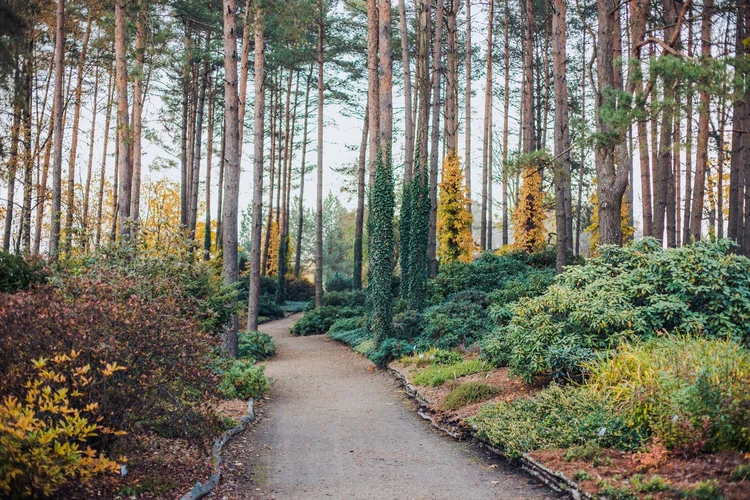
(272, 264)
(528, 217)
(453, 219)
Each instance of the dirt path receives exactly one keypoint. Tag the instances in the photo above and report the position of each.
(337, 428)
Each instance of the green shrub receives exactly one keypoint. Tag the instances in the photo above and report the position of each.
(352, 337)
(319, 320)
(297, 289)
(530, 284)
(740, 473)
(339, 283)
(256, 345)
(437, 375)
(294, 306)
(590, 451)
(630, 292)
(468, 393)
(344, 299)
(244, 380)
(455, 323)
(705, 490)
(554, 418)
(653, 484)
(694, 394)
(365, 347)
(16, 273)
(388, 350)
(444, 357)
(269, 309)
(348, 324)
(408, 325)
(613, 492)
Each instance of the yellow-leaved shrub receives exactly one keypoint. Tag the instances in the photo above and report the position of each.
(44, 438)
(453, 218)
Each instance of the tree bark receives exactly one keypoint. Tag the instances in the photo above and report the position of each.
(423, 82)
(451, 93)
(529, 143)
(125, 163)
(103, 171)
(434, 139)
(563, 213)
(244, 70)
(486, 140)
(701, 164)
(359, 224)
(138, 100)
(319, 199)
(13, 158)
(467, 147)
(232, 170)
(58, 130)
(303, 171)
(28, 160)
(209, 157)
(259, 133)
(408, 116)
(196, 167)
(506, 109)
(90, 169)
(372, 88)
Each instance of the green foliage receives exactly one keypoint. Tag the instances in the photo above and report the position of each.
(439, 374)
(460, 321)
(408, 325)
(613, 492)
(554, 418)
(581, 475)
(348, 324)
(653, 484)
(631, 292)
(404, 238)
(268, 308)
(454, 220)
(353, 337)
(693, 394)
(256, 345)
(294, 306)
(16, 273)
(445, 357)
(416, 286)
(345, 299)
(468, 393)
(381, 248)
(339, 283)
(590, 451)
(388, 350)
(297, 289)
(705, 490)
(740, 473)
(319, 320)
(243, 380)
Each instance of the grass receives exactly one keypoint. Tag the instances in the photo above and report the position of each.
(292, 306)
(437, 375)
(468, 393)
(741, 473)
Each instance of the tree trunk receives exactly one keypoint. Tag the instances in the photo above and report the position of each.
(319, 199)
(85, 234)
(506, 109)
(490, 181)
(28, 171)
(372, 88)
(359, 225)
(244, 69)
(271, 178)
(103, 172)
(408, 117)
(720, 167)
(284, 215)
(209, 157)
(529, 144)
(688, 148)
(13, 159)
(125, 164)
(423, 82)
(230, 269)
(220, 197)
(303, 171)
(58, 129)
(434, 140)
(486, 141)
(184, 131)
(138, 100)
(563, 219)
(196, 167)
(701, 163)
(258, 151)
(451, 93)
(467, 148)
(115, 183)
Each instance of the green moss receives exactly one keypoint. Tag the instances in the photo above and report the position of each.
(468, 393)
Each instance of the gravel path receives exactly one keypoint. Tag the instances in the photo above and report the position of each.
(335, 427)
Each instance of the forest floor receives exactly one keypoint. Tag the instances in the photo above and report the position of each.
(337, 427)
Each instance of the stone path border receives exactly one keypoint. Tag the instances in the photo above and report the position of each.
(557, 481)
(201, 490)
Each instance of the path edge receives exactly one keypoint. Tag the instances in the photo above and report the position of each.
(555, 480)
(201, 490)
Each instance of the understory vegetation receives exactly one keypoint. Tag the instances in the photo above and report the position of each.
(101, 353)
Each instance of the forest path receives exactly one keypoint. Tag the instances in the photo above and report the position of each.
(336, 427)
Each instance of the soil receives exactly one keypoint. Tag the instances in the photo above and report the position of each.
(682, 473)
(337, 427)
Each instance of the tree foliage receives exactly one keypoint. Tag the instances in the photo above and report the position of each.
(454, 219)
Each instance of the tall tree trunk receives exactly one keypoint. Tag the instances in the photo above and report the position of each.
(42, 160)
(451, 93)
(434, 139)
(423, 82)
(467, 147)
(284, 214)
(244, 69)
(271, 177)
(319, 199)
(115, 183)
(196, 167)
(612, 181)
(258, 130)
(529, 143)
(220, 197)
(408, 116)
(506, 109)
(490, 181)
(209, 158)
(103, 171)
(563, 213)
(125, 163)
(28, 160)
(85, 233)
(70, 201)
(58, 129)
(688, 147)
(720, 167)
(359, 224)
(701, 163)
(486, 141)
(372, 88)
(184, 130)
(582, 167)
(232, 172)
(303, 171)
(138, 100)
(13, 160)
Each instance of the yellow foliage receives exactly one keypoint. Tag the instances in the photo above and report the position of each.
(43, 437)
(528, 217)
(453, 219)
(272, 264)
(627, 230)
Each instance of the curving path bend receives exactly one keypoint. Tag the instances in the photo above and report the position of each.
(335, 427)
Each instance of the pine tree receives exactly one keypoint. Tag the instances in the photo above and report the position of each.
(381, 249)
(416, 288)
(454, 220)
